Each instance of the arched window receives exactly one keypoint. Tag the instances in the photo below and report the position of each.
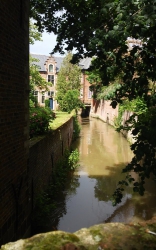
(50, 68)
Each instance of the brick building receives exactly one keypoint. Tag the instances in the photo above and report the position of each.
(85, 93)
(49, 67)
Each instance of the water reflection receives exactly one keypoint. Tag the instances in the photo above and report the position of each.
(103, 154)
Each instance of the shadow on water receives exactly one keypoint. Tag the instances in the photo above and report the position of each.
(86, 198)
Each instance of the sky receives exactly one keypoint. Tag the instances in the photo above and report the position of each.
(44, 47)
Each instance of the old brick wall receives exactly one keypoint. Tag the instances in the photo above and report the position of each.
(14, 89)
(85, 97)
(44, 155)
(104, 111)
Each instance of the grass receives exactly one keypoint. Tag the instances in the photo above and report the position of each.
(61, 118)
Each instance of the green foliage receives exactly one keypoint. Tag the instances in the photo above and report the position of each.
(47, 103)
(110, 24)
(34, 34)
(46, 202)
(68, 85)
(39, 120)
(144, 160)
(137, 106)
(68, 163)
(108, 92)
(117, 122)
(77, 128)
(95, 81)
(71, 101)
(36, 80)
(73, 159)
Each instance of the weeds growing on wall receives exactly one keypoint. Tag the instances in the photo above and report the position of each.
(76, 128)
(137, 106)
(46, 202)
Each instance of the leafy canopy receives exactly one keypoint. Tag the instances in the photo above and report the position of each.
(34, 34)
(101, 28)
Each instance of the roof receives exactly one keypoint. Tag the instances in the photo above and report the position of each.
(84, 63)
(42, 59)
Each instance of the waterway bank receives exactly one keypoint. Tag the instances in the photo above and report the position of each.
(86, 198)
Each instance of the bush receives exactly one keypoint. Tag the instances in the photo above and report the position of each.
(39, 120)
(73, 159)
(137, 106)
(47, 103)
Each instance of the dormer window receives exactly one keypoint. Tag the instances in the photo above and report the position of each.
(50, 68)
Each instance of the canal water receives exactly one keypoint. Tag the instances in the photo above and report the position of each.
(86, 200)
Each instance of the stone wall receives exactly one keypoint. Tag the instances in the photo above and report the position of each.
(98, 237)
(14, 89)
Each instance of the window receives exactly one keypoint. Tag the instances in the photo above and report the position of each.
(43, 96)
(51, 78)
(35, 93)
(50, 68)
(81, 92)
(89, 94)
(50, 93)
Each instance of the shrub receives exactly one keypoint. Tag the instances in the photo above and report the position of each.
(47, 103)
(39, 120)
(73, 159)
(137, 106)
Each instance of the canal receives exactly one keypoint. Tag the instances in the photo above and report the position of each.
(86, 199)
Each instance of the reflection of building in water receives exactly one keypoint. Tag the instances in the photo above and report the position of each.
(100, 145)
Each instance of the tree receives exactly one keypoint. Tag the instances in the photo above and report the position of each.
(72, 101)
(34, 34)
(101, 29)
(36, 80)
(68, 85)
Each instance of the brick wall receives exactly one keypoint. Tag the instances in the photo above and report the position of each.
(14, 89)
(22, 174)
(104, 111)
(44, 155)
(85, 98)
